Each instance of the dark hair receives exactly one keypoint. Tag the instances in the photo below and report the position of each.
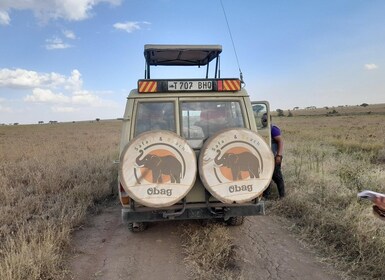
(264, 117)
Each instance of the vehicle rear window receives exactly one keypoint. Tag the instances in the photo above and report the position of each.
(155, 115)
(200, 120)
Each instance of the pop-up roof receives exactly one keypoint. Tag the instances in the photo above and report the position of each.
(196, 55)
(180, 55)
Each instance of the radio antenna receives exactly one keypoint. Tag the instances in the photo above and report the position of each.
(232, 41)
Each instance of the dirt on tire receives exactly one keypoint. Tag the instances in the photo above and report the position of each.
(104, 248)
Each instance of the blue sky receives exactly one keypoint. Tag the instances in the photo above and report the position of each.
(71, 60)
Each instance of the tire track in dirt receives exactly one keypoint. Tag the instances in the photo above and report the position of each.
(267, 250)
(105, 249)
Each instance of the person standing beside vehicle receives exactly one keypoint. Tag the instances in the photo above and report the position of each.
(277, 148)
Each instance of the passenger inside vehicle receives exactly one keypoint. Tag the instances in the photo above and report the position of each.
(203, 119)
(155, 116)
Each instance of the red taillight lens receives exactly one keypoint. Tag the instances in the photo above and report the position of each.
(124, 198)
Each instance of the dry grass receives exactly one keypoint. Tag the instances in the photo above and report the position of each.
(327, 161)
(50, 175)
(210, 252)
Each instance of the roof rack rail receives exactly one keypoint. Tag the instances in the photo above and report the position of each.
(181, 55)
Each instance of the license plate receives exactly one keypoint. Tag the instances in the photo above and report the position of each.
(190, 85)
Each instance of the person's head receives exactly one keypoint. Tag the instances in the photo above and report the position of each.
(264, 120)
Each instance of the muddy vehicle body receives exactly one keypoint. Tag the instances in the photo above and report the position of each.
(192, 148)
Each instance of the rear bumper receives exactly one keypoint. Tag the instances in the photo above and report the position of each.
(189, 212)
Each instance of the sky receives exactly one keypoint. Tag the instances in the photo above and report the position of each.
(72, 60)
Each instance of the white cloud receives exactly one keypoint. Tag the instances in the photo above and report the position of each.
(69, 34)
(370, 66)
(58, 109)
(58, 93)
(73, 10)
(130, 26)
(40, 95)
(56, 43)
(4, 18)
(86, 98)
(21, 78)
(74, 82)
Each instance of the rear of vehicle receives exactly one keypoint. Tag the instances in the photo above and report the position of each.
(190, 147)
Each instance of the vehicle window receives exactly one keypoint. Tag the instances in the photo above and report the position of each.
(259, 109)
(155, 115)
(200, 120)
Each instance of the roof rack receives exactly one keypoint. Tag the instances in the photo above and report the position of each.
(181, 55)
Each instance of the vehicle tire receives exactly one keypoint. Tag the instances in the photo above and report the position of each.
(236, 165)
(157, 168)
(137, 227)
(235, 221)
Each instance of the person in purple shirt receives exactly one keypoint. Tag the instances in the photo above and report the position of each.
(277, 148)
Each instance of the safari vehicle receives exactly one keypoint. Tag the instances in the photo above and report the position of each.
(192, 148)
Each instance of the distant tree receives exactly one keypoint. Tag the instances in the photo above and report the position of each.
(333, 113)
(40, 122)
(280, 113)
(364, 105)
(15, 123)
(311, 108)
(290, 114)
(97, 119)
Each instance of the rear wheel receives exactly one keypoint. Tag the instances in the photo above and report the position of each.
(235, 221)
(137, 227)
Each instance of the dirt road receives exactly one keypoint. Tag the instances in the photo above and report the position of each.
(105, 249)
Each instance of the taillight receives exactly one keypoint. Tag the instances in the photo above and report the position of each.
(124, 198)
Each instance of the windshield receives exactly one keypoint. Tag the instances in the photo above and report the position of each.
(202, 119)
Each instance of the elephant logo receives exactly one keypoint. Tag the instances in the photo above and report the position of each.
(238, 163)
(159, 166)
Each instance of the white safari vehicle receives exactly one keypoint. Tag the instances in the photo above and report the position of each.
(192, 148)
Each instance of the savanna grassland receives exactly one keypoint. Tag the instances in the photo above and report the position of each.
(328, 160)
(52, 176)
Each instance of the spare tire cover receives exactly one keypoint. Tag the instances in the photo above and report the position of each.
(236, 165)
(157, 168)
